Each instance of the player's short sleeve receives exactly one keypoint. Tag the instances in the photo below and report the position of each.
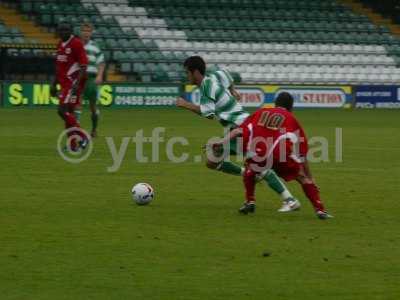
(208, 98)
(99, 56)
(224, 78)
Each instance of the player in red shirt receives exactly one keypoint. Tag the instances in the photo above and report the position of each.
(71, 63)
(273, 138)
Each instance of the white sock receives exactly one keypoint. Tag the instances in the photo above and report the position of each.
(285, 195)
(78, 114)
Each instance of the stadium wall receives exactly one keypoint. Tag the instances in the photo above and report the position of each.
(31, 94)
(37, 94)
(304, 96)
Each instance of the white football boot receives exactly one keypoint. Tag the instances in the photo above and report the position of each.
(323, 215)
(290, 204)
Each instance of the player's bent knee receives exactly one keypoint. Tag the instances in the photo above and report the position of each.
(212, 165)
(304, 180)
(93, 108)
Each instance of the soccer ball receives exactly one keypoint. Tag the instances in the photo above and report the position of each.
(142, 193)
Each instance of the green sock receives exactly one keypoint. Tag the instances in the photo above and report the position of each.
(276, 184)
(77, 114)
(230, 168)
(95, 120)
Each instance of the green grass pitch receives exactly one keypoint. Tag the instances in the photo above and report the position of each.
(72, 232)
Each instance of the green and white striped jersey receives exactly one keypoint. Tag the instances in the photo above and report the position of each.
(223, 77)
(216, 100)
(95, 57)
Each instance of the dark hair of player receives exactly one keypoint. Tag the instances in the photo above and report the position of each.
(284, 100)
(64, 30)
(193, 63)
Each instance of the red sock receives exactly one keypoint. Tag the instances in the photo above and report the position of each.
(312, 194)
(73, 144)
(249, 184)
(70, 121)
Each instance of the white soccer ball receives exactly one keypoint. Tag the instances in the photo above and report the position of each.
(142, 193)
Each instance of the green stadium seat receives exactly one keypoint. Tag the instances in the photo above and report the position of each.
(26, 7)
(19, 40)
(170, 57)
(124, 43)
(116, 32)
(42, 8)
(46, 19)
(90, 9)
(107, 54)
(54, 8)
(26, 52)
(143, 56)
(139, 68)
(32, 41)
(133, 56)
(82, 18)
(151, 45)
(12, 51)
(111, 43)
(160, 76)
(95, 20)
(68, 9)
(104, 32)
(136, 44)
(5, 40)
(151, 67)
(59, 18)
(126, 67)
(157, 56)
(119, 55)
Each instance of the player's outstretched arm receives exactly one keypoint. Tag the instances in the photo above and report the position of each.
(180, 102)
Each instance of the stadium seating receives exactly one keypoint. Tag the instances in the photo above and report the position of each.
(275, 41)
(12, 35)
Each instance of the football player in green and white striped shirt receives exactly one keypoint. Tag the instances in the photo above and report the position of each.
(225, 78)
(95, 71)
(217, 101)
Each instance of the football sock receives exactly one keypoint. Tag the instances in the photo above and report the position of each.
(276, 184)
(230, 168)
(70, 121)
(73, 144)
(249, 184)
(312, 193)
(95, 119)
